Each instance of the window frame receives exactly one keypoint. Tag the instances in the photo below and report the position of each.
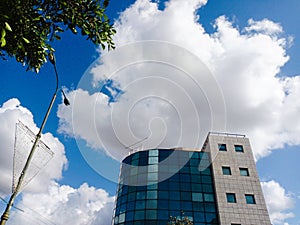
(228, 195)
(238, 147)
(225, 169)
(221, 149)
(251, 200)
(247, 174)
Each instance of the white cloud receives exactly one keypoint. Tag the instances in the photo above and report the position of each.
(264, 26)
(279, 203)
(10, 113)
(65, 205)
(244, 63)
(43, 200)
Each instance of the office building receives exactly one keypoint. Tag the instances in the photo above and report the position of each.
(217, 184)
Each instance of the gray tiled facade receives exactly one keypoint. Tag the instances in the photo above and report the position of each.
(238, 212)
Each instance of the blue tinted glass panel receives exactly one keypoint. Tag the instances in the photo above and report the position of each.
(153, 168)
(164, 185)
(151, 215)
(230, 197)
(174, 186)
(143, 161)
(226, 170)
(130, 206)
(207, 188)
(152, 186)
(151, 194)
(208, 197)
(197, 206)
(152, 176)
(210, 218)
(186, 206)
(185, 186)
(210, 207)
(163, 204)
(163, 215)
(141, 195)
(153, 160)
(163, 154)
(238, 148)
(250, 199)
(197, 197)
(153, 152)
(199, 217)
(206, 179)
(175, 195)
(122, 218)
(129, 216)
(186, 196)
(131, 197)
(163, 195)
(140, 205)
(205, 171)
(222, 147)
(174, 205)
(244, 172)
(151, 204)
(135, 162)
(139, 215)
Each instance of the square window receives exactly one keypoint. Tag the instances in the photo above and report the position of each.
(231, 197)
(174, 205)
(153, 168)
(151, 194)
(139, 215)
(140, 205)
(250, 199)
(222, 147)
(153, 160)
(151, 214)
(163, 195)
(197, 197)
(185, 196)
(129, 216)
(122, 218)
(151, 204)
(239, 148)
(153, 152)
(226, 170)
(208, 197)
(244, 172)
(152, 176)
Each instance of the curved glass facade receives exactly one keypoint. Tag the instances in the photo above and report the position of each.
(159, 183)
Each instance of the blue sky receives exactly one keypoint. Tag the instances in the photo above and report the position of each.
(277, 159)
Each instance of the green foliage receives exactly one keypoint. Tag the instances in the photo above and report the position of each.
(29, 27)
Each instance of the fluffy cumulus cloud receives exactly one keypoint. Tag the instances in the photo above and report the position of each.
(43, 200)
(278, 201)
(10, 113)
(66, 205)
(244, 63)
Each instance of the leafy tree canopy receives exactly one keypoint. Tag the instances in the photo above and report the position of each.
(29, 27)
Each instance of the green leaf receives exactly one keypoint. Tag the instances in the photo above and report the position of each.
(7, 27)
(26, 40)
(3, 42)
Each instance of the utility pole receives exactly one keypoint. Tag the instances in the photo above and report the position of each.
(5, 215)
